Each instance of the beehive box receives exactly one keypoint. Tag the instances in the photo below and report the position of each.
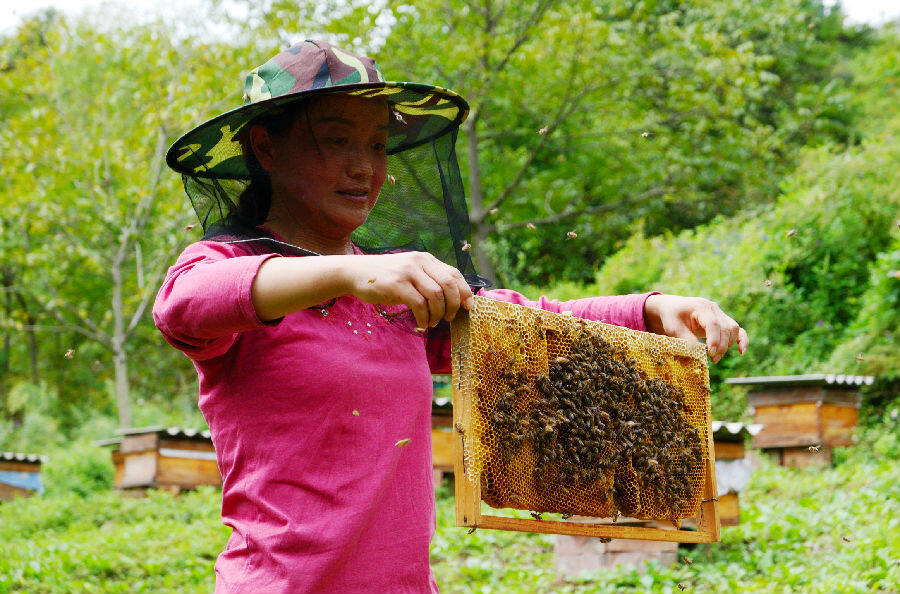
(20, 475)
(804, 416)
(555, 414)
(169, 458)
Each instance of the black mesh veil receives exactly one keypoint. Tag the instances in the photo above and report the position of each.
(421, 207)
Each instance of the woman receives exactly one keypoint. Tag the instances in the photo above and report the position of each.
(315, 372)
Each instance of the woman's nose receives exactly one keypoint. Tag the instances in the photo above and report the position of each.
(359, 165)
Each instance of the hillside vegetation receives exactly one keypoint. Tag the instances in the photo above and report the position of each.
(814, 277)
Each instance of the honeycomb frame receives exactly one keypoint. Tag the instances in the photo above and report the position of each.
(525, 331)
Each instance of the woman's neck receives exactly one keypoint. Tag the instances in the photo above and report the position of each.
(309, 240)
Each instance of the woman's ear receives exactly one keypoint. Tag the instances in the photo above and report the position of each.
(262, 147)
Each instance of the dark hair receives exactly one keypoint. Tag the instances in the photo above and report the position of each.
(256, 199)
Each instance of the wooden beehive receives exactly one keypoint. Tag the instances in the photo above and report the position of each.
(20, 475)
(804, 416)
(732, 466)
(442, 445)
(168, 458)
(494, 340)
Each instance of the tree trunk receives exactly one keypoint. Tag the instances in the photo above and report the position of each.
(120, 358)
(481, 229)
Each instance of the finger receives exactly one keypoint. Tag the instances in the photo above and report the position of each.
(444, 276)
(417, 304)
(434, 297)
(708, 321)
(743, 340)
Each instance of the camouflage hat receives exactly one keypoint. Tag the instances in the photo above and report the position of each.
(420, 112)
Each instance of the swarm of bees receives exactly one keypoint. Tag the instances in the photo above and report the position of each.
(595, 424)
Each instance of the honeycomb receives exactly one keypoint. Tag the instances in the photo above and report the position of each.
(569, 416)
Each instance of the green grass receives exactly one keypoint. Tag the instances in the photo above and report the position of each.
(791, 539)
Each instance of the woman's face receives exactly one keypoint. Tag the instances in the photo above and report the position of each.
(328, 170)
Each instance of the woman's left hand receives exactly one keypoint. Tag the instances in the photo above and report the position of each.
(692, 317)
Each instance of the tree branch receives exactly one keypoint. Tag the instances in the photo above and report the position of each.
(555, 218)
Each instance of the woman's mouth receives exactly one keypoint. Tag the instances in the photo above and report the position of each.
(355, 195)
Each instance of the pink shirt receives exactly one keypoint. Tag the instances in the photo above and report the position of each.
(319, 498)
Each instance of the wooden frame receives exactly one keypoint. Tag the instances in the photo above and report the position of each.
(468, 492)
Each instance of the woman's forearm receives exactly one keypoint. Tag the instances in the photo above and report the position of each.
(285, 285)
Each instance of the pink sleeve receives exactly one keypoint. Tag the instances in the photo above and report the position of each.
(620, 310)
(205, 300)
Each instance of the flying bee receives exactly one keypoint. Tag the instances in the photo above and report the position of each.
(399, 117)
(814, 448)
(493, 211)
(688, 561)
(466, 246)
(571, 235)
(682, 586)
(846, 538)
(790, 233)
(531, 226)
(768, 283)
(543, 130)
(471, 530)
(189, 227)
(537, 515)
(402, 442)
(69, 354)
(392, 179)
(859, 358)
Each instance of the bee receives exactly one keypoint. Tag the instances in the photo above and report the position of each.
(493, 211)
(421, 330)
(69, 353)
(189, 227)
(542, 131)
(402, 442)
(371, 281)
(604, 539)
(471, 530)
(392, 179)
(537, 515)
(790, 233)
(399, 117)
(682, 586)
(355, 413)
(645, 134)
(814, 448)
(688, 561)
(531, 226)
(859, 358)
(768, 283)
(466, 246)
(571, 235)
(846, 538)
(566, 516)
(459, 429)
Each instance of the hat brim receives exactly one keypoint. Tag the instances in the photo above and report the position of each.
(422, 113)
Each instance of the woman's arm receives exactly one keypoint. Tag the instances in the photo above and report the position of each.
(431, 289)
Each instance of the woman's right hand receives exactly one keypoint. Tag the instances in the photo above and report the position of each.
(431, 289)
